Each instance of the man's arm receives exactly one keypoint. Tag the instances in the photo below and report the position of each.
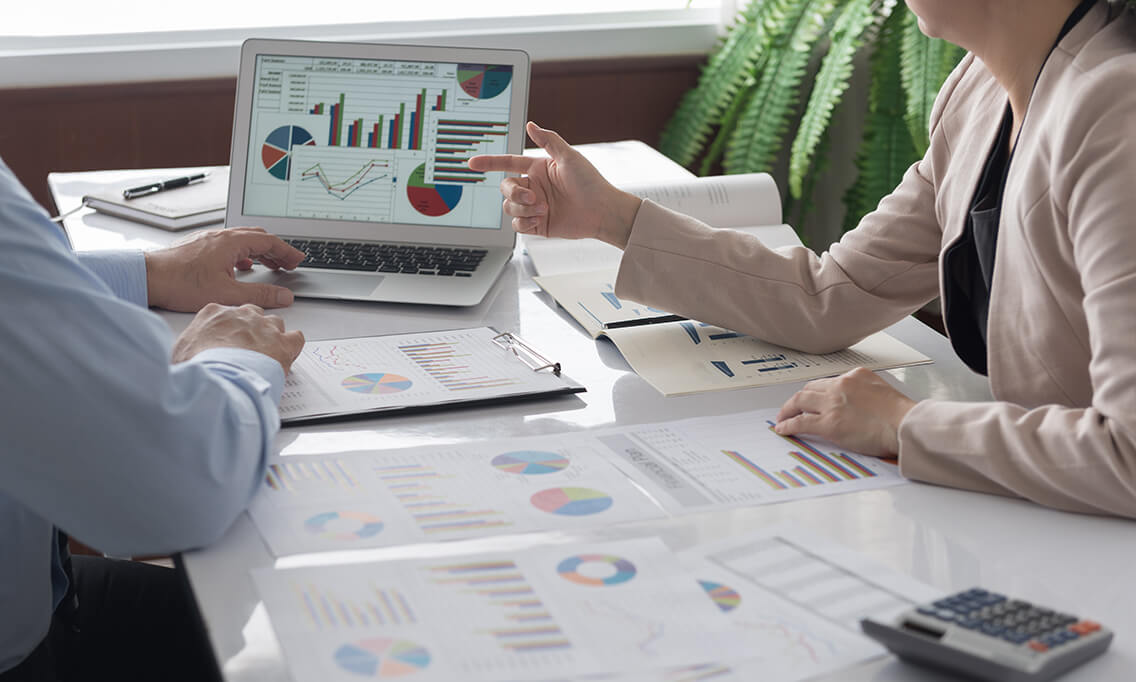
(104, 436)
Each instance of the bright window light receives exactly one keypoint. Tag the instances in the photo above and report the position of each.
(84, 17)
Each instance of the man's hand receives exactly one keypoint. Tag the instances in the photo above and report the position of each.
(247, 327)
(857, 410)
(199, 270)
(561, 196)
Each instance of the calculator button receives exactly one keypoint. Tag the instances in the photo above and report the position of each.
(1085, 627)
(944, 614)
(927, 610)
(1015, 637)
(1038, 646)
(992, 629)
(969, 623)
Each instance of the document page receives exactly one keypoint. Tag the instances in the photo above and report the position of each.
(587, 292)
(681, 358)
(314, 503)
(548, 612)
(407, 370)
(711, 463)
(747, 201)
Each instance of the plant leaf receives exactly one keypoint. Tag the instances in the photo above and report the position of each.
(723, 76)
(762, 125)
(830, 84)
(887, 149)
(924, 64)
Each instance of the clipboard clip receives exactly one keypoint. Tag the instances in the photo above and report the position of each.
(525, 353)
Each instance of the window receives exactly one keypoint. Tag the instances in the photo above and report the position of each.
(80, 41)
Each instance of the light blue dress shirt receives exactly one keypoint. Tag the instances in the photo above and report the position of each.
(102, 437)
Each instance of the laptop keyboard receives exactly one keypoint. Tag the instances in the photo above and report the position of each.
(402, 258)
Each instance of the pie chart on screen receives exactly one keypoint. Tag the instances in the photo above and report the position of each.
(382, 657)
(484, 81)
(431, 200)
(276, 152)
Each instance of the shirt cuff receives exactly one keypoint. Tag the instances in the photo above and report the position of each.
(123, 271)
(260, 364)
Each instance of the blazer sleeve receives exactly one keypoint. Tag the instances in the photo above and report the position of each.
(878, 273)
(1079, 459)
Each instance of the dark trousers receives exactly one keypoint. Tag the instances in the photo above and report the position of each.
(134, 621)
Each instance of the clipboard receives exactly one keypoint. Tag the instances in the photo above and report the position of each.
(351, 378)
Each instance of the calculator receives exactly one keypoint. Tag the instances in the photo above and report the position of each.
(987, 636)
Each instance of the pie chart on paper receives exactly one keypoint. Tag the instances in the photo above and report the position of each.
(382, 657)
(376, 383)
(726, 598)
(571, 501)
(530, 462)
(276, 152)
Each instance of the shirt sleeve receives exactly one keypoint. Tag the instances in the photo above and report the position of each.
(123, 271)
(876, 275)
(104, 436)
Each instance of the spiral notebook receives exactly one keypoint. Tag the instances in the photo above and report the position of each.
(367, 376)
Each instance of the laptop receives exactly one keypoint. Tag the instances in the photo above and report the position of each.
(356, 154)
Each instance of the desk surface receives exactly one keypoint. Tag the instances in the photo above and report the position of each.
(947, 538)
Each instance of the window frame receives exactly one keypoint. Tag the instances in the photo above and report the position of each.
(44, 61)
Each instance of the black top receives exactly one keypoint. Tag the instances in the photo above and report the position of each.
(968, 263)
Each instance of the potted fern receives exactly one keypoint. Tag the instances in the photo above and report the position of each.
(748, 101)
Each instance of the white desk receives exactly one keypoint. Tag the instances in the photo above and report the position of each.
(947, 538)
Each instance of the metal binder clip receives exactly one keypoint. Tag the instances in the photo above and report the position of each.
(525, 353)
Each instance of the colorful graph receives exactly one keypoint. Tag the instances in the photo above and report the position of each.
(448, 362)
(530, 462)
(382, 657)
(327, 611)
(376, 383)
(344, 525)
(276, 153)
(571, 501)
(526, 625)
(458, 139)
(297, 473)
(423, 491)
(726, 598)
(618, 570)
(431, 200)
(372, 171)
(484, 81)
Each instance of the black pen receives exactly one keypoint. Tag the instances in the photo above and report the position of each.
(154, 188)
(640, 321)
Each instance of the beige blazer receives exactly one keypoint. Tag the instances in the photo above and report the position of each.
(1062, 328)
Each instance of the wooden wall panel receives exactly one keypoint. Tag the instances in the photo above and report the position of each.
(189, 123)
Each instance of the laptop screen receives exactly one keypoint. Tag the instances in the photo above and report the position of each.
(376, 140)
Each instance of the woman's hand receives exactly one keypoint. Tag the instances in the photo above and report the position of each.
(563, 195)
(857, 410)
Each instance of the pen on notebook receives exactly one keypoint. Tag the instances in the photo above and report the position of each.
(643, 320)
(153, 188)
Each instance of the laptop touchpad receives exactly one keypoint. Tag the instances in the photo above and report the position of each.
(326, 284)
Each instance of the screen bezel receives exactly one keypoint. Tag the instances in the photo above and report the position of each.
(502, 236)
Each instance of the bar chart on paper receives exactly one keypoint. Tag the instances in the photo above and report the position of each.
(361, 500)
(408, 370)
(738, 460)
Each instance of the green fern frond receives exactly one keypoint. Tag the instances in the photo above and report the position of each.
(727, 69)
(761, 127)
(925, 63)
(831, 82)
(887, 149)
